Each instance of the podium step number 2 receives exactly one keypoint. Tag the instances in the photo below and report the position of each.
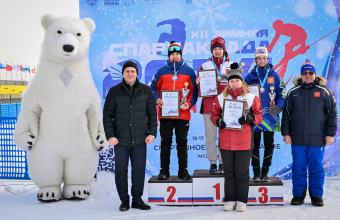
(205, 189)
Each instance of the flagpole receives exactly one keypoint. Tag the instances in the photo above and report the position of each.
(16, 78)
(11, 71)
(6, 72)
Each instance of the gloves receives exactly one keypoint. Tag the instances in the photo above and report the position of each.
(220, 123)
(250, 117)
(274, 110)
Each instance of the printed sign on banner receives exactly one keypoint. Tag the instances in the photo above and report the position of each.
(141, 30)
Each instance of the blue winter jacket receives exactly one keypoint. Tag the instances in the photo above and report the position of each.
(310, 114)
(270, 122)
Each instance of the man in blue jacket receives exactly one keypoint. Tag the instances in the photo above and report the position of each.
(309, 123)
(273, 101)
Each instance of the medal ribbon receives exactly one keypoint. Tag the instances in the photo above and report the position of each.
(265, 78)
(175, 73)
(218, 71)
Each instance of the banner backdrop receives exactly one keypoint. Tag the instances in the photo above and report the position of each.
(141, 30)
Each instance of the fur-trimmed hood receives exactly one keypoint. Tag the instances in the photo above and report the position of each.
(322, 80)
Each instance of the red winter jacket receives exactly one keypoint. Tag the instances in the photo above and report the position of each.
(237, 139)
(207, 102)
(163, 80)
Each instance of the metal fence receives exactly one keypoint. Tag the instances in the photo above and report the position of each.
(10, 98)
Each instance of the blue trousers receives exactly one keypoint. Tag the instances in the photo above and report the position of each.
(137, 155)
(310, 157)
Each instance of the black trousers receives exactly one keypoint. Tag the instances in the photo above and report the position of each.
(268, 139)
(137, 155)
(181, 127)
(236, 174)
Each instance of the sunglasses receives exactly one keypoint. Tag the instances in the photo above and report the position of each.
(311, 73)
(217, 41)
(174, 48)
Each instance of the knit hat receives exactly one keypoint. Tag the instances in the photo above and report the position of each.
(235, 72)
(130, 63)
(261, 51)
(174, 47)
(308, 66)
(217, 42)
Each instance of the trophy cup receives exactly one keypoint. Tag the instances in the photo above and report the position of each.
(272, 96)
(185, 93)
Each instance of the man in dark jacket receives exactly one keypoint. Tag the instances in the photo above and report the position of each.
(309, 123)
(130, 122)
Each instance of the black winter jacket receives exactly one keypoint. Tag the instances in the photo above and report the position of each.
(130, 117)
(310, 113)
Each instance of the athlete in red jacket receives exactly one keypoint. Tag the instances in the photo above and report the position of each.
(176, 75)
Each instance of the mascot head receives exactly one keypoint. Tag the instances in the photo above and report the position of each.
(66, 38)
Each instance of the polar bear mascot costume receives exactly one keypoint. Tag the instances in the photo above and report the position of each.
(60, 124)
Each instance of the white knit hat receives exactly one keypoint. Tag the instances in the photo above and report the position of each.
(261, 51)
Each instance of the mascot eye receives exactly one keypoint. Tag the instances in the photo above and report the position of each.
(79, 34)
(59, 32)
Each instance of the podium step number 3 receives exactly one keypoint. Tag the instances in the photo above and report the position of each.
(205, 189)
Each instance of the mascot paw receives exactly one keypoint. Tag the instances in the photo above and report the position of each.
(101, 142)
(49, 194)
(75, 192)
(31, 141)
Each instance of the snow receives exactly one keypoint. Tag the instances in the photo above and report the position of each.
(103, 203)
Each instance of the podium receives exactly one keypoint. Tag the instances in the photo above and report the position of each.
(205, 189)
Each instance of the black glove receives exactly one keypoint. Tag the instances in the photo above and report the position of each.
(220, 123)
(250, 117)
(275, 110)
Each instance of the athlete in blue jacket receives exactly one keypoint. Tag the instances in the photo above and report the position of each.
(273, 101)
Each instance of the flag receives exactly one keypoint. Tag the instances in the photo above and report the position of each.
(21, 68)
(14, 67)
(9, 68)
(26, 68)
(2, 66)
(33, 70)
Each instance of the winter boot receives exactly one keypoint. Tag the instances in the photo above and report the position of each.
(213, 169)
(257, 176)
(183, 174)
(265, 171)
(297, 200)
(229, 206)
(241, 206)
(220, 169)
(317, 201)
(163, 174)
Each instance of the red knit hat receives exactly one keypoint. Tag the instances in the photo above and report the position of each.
(217, 42)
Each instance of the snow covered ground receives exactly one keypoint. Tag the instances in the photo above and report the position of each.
(104, 202)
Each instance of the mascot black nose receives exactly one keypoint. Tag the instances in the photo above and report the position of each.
(68, 48)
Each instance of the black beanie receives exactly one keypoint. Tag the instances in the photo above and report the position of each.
(174, 43)
(130, 63)
(235, 72)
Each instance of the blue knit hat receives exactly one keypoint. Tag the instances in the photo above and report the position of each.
(308, 66)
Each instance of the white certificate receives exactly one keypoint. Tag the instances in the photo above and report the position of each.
(208, 83)
(170, 108)
(255, 90)
(232, 111)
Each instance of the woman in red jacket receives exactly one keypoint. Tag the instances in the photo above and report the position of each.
(236, 145)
